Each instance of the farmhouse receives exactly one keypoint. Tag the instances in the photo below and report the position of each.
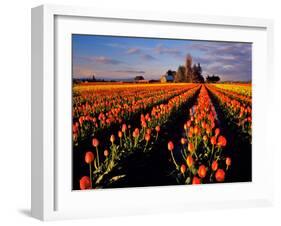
(167, 78)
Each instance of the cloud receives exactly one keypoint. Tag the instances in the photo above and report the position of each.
(106, 60)
(230, 60)
(79, 71)
(99, 59)
(115, 45)
(161, 49)
(133, 51)
(147, 57)
(130, 71)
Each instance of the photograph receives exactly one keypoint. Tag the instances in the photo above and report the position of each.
(152, 111)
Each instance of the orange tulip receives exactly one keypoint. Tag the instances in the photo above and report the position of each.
(183, 168)
(222, 141)
(213, 140)
(196, 130)
(112, 138)
(217, 132)
(190, 147)
(124, 128)
(147, 137)
(183, 141)
(202, 171)
(136, 133)
(215, 165)
(220, 175)
(89, 157)
(157, 128)
(189, 161)
(120, 134)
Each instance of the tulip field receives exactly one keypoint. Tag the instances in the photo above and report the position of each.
(135, 135)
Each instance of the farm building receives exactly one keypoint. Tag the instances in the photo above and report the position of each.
(167, 78)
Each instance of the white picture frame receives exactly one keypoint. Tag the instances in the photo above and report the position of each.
(51, 198)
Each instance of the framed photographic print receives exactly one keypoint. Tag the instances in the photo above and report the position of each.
(137, 112)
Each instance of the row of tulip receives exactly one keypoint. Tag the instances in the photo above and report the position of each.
(236, 92)
(243, 89)
(235, 110)
(125, 108)
(129, 141)
(200, 150)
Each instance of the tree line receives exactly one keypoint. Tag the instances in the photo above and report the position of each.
(192, 73)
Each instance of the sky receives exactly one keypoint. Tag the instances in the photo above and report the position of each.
(112, 57)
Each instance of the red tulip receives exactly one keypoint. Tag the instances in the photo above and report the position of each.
(220, 174)
(215, 165)
(190, 147)
(170, 146)
(213, 140)
(217, 132)
(85, 183)
(95, 142)
(89, 157)
(202, 171)
(222, 141)
(203, 124)
(124, 128)
(147, 137)
(136, 133)
(196, 180)
(148, 131)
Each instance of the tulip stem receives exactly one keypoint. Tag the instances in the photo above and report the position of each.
(145, 146)
(174, 160)
(91, 175)
(98, 157)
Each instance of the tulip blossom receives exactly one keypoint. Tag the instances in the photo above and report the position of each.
(85, 183)
(202, 171)
(189, 161)
(220, 175)
(89, 157)
(183, 168)
(215, 165)
(196, 180)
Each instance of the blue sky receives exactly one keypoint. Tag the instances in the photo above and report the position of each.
(126, 57)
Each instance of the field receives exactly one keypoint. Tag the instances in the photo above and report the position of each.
(132, 135)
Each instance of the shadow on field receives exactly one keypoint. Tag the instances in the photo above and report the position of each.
(239, 147)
